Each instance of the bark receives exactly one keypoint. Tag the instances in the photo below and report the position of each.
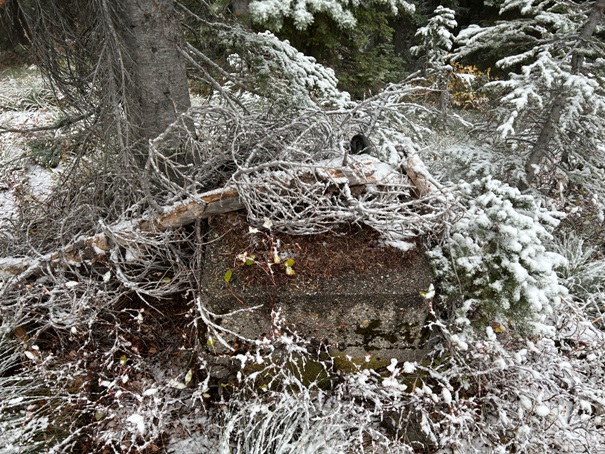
(549, 129)
(418, 174)
(157, 89)
(548, 132)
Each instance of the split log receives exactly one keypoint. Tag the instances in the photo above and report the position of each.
(422, 182)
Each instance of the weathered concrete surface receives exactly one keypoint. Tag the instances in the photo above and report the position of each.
(347, 291)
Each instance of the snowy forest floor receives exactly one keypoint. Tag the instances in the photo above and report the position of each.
(123, 379)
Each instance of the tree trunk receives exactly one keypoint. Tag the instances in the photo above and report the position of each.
(547, 133)
(156, 90)
(549, 129)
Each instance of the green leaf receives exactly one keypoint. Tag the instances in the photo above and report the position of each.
(189, 376)
(289, 263)
(250, 259)
(290, 271)
(123, 360)
(227, 276)
(210, 342)
(430, 293)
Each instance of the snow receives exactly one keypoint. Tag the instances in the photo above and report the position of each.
(525, 402)
(459, 342)
(447, 396)
(392, 367)
(402, 245)
(489, 331)
(200, 440)
(552, 391)
(542, 410)
(394, 384)
(500, 363)
(36, 180)
(302, 11)
(436, 38)
(408, 367)
(15, 262)
(138, 421)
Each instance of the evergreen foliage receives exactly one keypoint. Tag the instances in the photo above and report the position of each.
(357, 42)
(362, 56)
(495, 261)
(302, 12)
(554, 97)
(436, 38)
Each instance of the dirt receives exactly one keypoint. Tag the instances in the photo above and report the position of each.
(352, 248)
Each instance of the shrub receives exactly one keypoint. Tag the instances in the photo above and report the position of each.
(495, 263)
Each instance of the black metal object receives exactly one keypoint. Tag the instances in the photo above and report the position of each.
(360, 144)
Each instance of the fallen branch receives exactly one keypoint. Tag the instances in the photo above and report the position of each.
(62, 123)
(217, 202)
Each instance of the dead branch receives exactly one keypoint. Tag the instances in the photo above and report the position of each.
(132, 235)
(62, 123)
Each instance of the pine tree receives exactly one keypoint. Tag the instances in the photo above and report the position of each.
(554, 97)
(303, 11)
(436, 42)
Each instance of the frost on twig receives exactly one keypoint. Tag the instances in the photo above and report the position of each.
(290, 171)
(115, 300)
